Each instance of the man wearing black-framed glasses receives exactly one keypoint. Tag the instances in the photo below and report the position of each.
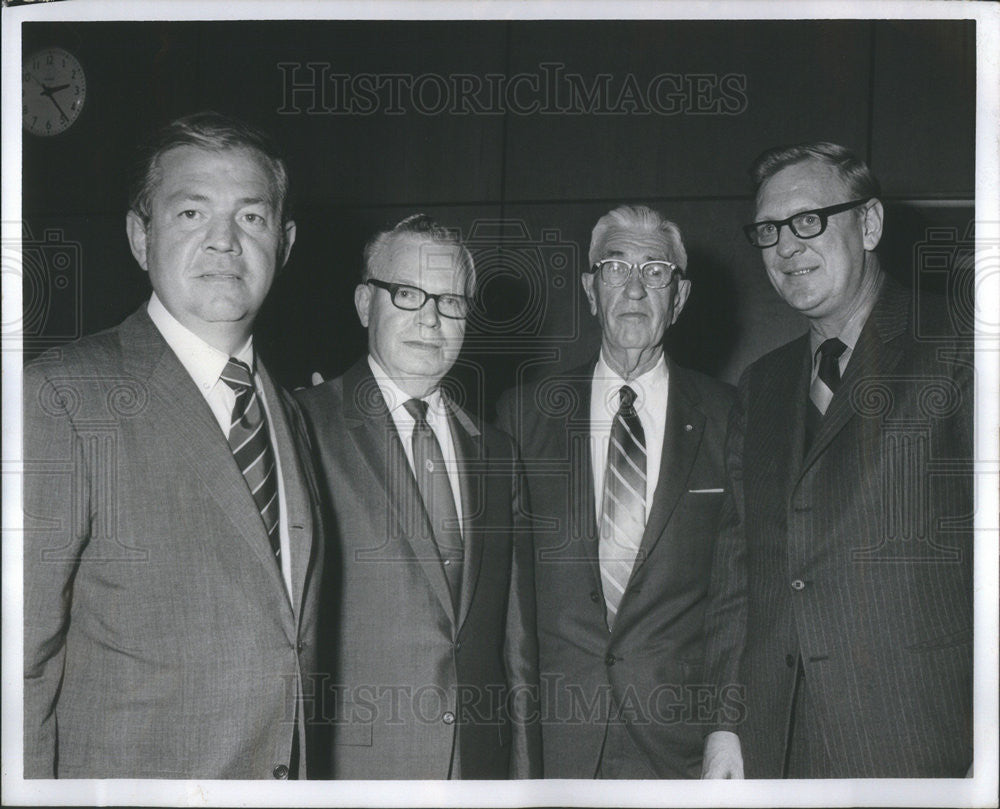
(625, 478)
(428, 623)
(842, 579)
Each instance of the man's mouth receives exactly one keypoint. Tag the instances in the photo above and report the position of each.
(799, 271)
(421, 345)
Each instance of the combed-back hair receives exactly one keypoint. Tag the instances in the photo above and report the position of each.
(423, 227)
(640, 219)
(212, 131)
(851, 169)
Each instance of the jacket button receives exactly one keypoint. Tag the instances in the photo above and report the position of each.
(790, 661)
(448, 718)
(280, 772)
(458, 646)
(300, 646)
(798, 584)
(594, 596)
(610, 660)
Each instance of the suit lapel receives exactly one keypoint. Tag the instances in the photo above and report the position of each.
(582, 504)
(373, 432)
(682, 434)
(185, 415)
(875, 355)
(298, 510)
(474, 482)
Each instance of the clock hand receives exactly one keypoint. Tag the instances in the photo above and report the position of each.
(65, 117)
(51, 90)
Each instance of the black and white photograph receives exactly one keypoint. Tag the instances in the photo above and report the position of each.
(504, 404)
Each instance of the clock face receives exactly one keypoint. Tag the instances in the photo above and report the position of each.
(53, 89)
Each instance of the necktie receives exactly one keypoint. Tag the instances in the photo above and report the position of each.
(251, 446)
(623, 510)
(436, 492)
(825, 385)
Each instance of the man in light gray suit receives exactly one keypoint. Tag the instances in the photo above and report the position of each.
(429, 624)
(169, 558)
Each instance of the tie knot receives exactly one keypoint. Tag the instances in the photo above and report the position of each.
(832, 348)
(236, 374)
(416, 408)
(626, 397)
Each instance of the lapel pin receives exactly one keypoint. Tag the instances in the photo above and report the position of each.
(688, 428)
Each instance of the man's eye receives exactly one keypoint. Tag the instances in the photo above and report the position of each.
(254, 218)
(808, 220)
(406, 293)
(189, 214)
(765, 229)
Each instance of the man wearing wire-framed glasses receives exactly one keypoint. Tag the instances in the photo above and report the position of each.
(427, 633)
(842, 579)
(625, 478)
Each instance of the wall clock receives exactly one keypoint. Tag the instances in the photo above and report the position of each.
(53, 89)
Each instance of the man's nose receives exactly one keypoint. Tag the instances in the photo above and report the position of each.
(634, 288)
(788, 243)
(428, 314)
(222, 236)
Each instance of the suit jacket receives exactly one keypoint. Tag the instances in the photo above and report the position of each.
(414, 689)
(159, 640)
(855, 552)
(645, 673)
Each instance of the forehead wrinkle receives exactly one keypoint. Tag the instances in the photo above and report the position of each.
(619, 243)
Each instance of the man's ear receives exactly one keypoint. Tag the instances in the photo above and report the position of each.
(680, 298)
(287, 242)
(873, 225)
(363, 302)
(136, 230)
(587, 279)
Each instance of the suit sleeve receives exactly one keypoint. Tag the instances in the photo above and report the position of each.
(56, 532)
(726, 617)
(521, 641)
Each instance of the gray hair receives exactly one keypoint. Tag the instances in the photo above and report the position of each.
(639, 219)
(851, 169)
(421, 226)
(205, 130)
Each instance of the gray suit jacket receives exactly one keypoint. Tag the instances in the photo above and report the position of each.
(415, 690)
(643, 676)
(855, 552)
(159, 640)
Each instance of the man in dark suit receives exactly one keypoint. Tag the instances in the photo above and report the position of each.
(624, 463)
(429, 624)
(842, 579)
(170, 572)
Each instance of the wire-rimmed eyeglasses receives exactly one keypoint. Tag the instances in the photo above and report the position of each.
(653, 274)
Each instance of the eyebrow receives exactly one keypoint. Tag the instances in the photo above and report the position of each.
(187, 196)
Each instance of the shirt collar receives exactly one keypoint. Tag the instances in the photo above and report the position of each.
(395, 397)
(647, 386)
(852, 329)
(203, 362)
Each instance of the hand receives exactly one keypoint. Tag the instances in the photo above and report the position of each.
(723, 756)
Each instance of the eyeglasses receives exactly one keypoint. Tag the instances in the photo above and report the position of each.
(653, 274)
(413, 298)
(805, 225)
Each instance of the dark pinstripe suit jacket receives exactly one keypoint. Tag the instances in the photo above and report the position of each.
(856, 552)
(649, 665)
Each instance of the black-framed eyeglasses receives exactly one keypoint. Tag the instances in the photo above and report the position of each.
(412, 298)
(653, 274)
(805, 225)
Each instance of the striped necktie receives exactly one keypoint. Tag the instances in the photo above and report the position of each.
(824, 386)
(623, 510)
(251, 446)
(436, 492)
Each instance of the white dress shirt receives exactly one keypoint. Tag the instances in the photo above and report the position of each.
(437, 419)
(651, 407)
(204, 364)
(848, 336)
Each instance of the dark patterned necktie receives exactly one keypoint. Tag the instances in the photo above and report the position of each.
(437, 494)
(824, 386)
(623, 510)
(251, 445)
